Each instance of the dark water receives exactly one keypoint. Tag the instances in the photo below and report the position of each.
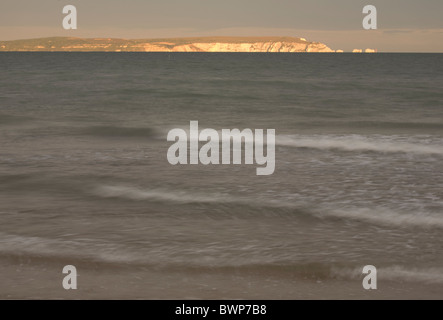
(358, 178)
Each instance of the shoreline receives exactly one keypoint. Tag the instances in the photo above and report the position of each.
(42, 278)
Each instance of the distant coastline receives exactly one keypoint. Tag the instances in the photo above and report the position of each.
(197, 44)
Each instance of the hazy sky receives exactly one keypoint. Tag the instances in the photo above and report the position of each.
(403, 25)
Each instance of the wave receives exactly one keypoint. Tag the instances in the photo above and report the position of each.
(172, 255)
(387, 217)
(395, 273)
(165, 254)
(358, 143)
(11, 244)
(179, 196)
(395, 125)
(133, 193)
(379, 215)
(382, 144)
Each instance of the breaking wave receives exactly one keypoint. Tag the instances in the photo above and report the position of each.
(167, 255)
(379, 215)
(358, 143)
(395, 273)
(133, 193)
(387, 217)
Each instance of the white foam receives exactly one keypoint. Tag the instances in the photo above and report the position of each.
(134, 193)
(377, 215)
(358, 143)
(387, 217)
(108, 252)
(396, 273)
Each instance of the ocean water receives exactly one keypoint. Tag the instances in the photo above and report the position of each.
(84, 177)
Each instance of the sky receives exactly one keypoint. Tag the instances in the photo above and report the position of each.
(403, 25)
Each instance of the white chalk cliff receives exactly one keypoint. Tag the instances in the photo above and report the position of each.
(205, 44)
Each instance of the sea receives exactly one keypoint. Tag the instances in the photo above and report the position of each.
(85, 180)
